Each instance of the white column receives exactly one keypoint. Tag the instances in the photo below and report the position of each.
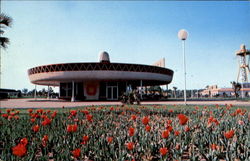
(141, 90)
(35, 92)
(67, 89)
(73, 92)
(48, 93)
(126, 88)
(59, 90)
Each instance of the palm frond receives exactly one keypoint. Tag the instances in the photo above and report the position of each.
(5, 20)
(3, 42)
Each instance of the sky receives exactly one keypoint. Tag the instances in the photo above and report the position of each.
(49, 32)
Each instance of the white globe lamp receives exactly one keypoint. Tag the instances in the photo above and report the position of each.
(182, 34)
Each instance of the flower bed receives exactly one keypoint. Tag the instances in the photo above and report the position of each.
(126, 133)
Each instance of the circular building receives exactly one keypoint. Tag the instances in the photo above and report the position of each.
(101, 80)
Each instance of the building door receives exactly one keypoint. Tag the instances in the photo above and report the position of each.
(79, 93)
(112, 93)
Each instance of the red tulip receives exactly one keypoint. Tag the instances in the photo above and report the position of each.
(44, 116)
(163, 151)
(73, 112)
(147, 128)
(131, 131)
(169, 128)
(145, 120)
(165, 134)
(46, 121)
(213, 146)
(238, 111)
(176, 133)
(76, 153)
(169, 122)
(8, 110)
(86, 112)
(24, 141)
(12, 114)
(33, 120)
(10, 117)
(5, 115)
(39, 111)
(130, 146)
(72, 128)
(53, 114)
(187, 129)
(44, 140)
(16, 117)
(19, 150)
(89, 117)
(85, 139)
(229, 134)
(182, 119)
(36, 128)
(133, 117)
(110, 139)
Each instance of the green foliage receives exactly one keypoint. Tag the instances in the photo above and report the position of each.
(236, 87)
(5, 21)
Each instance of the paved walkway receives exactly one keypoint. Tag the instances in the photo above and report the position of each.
(55, 103)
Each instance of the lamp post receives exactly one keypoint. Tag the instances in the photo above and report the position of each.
(182, 35)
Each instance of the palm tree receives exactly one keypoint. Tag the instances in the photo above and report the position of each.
(5, 21)
(236, 87)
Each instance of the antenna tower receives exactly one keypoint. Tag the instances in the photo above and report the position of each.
(244, 57)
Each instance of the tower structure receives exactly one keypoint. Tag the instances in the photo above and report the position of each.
(244, 58)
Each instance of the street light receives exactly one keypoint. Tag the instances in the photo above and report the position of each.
(182, 35)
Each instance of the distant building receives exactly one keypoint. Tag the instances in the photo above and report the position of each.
(214, 91)
(210, 91)
(6, 93)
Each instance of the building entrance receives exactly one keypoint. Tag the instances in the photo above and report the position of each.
(112, 93)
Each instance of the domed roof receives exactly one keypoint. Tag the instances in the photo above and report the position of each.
(242, 47)
(104, 57)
